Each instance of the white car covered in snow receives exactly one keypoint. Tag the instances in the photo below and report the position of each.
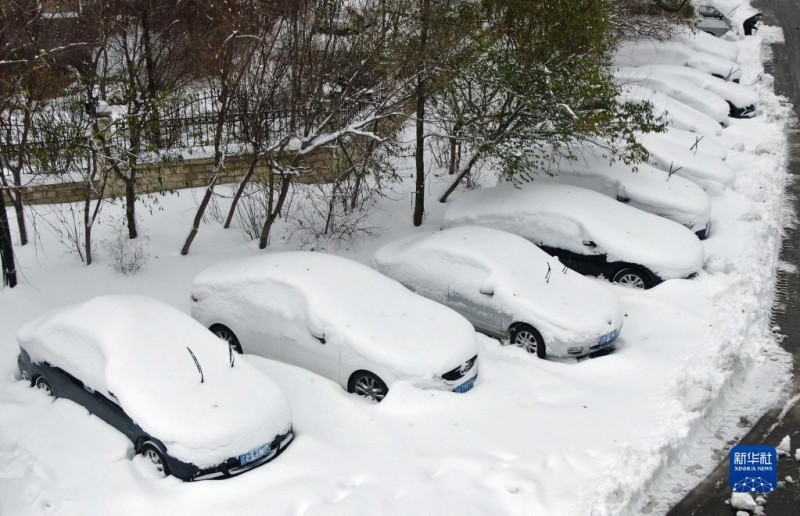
(692, 95)
(673, 112)
(646, 188)
(337, 318)
(508, 288)
(742, 101)
(712, 174)
(160, 378)
(692, 142)
(589, 232)
(647, 51)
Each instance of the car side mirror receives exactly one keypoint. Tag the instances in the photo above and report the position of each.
(589, 243)
(320, 339)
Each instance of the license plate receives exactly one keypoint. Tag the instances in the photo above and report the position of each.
(464, 387)
(608, 337)
(254, 455)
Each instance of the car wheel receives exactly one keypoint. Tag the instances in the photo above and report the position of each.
(526, 337)
(632, 278)
(225, 333)
(153, 453)
(42, 384)
(367, 385)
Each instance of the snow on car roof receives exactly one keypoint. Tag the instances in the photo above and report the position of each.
(133, 349)
(352, 305)
(564, 304)
(565, 216)
(702, 42)
(647, 187)
(674, 112)
(643, 52)
(674, 87)
(710, 173)
(693, 142)
(738, 95)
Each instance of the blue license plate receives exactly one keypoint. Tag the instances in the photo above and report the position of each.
(608, 337)
(254, 455)
(464, 387)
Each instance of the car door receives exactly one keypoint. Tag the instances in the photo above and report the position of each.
(109, 411)
(306, 343)
(469, 294)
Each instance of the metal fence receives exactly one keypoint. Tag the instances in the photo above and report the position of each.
(183, 124)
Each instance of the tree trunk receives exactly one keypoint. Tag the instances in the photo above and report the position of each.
(198, 217)
(240, 190)
(6, 249)
(263, 239)
(130, 207)
(419, 191)
(464, 172)
(19, 209)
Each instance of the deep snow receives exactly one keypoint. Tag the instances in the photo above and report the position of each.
(620, 434)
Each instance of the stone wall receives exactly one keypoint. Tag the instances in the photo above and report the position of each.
(175, 175)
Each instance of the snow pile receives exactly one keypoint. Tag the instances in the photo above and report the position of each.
(784, 448)
(565, 217)
(507, 275)
(743, 501)
(133, 349)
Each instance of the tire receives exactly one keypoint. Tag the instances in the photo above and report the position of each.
(42, 384)
(528, 338)
(152, 452)
(368, 386)
(631, 277)
(225, 333)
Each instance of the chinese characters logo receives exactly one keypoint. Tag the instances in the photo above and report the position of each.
(753, 469)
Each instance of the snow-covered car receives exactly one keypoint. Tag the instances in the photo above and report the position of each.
(703, 42)
(646, 51)
(711, 21)
(712, 174)
(339, 319)
(741, 100)
(692, 95)
(160, 378)
(673, 112)
(646, 188)
(589, 232)
(507, 288)
(693, 142)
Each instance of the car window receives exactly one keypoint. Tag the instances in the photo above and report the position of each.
(557, 231)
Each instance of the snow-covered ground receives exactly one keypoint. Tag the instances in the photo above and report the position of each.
(619, 434)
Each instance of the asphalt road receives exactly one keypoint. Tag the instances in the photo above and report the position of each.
(709, 498)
